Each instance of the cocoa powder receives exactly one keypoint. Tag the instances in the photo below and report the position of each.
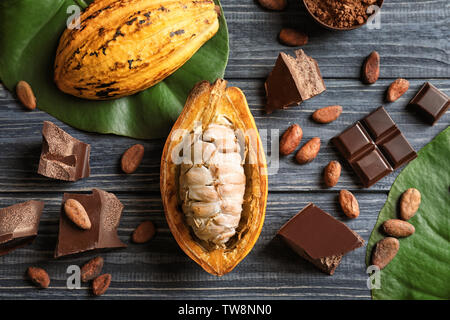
(340, 13)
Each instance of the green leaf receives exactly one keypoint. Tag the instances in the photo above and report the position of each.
(421, 268)
(29, 35)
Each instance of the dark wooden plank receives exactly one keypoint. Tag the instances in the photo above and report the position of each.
(412, 41)
(413, 44)
(160, 269)
(20, 133)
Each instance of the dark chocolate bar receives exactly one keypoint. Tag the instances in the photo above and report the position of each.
(104, 211)
(63, 157)
(319, 238)
(292, 81)
(19, 225)
(430, 102)
(374, 147)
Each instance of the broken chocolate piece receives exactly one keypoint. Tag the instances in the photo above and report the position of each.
(430, 102)
(374, 147)
(319, 238)
(19, 225)
(63, 157)
(292, 81)
(104, 211)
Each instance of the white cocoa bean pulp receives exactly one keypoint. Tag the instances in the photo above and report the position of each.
(212, 188)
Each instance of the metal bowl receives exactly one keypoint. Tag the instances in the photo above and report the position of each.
(379, 4)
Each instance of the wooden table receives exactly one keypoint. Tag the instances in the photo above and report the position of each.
(413, 44)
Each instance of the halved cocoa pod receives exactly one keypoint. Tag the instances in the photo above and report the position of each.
(214, 178)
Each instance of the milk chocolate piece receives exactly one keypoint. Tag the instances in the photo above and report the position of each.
(104, 211)
(374, 147)
(292, 81)
(430, 102)
(19, 225)
(319, 238)
(63, 157)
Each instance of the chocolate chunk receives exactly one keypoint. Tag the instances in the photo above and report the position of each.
(319, 238)
(398, 150)
(292, 81)
(104, 210)
(371, 166)
(63, 157)
(430, 102)
(380, 125)
(19, 225)
(374, 147)
(353, 142)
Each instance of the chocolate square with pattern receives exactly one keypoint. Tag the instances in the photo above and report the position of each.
(431, 102)
(398, 150)
(374, 146)
(380, 125)
(371, 167)
(353, 141)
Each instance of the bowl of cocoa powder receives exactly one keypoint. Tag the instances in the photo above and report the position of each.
(342, 14)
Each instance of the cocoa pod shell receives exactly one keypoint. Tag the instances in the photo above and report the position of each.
(205, 103)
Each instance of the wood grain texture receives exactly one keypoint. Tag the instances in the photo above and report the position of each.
(20, 133)
(160, 269)
(413, 44)
(412, 40)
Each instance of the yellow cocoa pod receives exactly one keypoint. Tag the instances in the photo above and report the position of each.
(123, 47)
(214, 178)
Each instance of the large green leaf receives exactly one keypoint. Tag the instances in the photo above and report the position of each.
(421, 269)
(29, 34)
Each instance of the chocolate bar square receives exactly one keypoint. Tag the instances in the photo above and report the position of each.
(353, 141)
(371, 167)
(319, 238)
(380, 124)
(374, 146)
(398, 150)
(430, 102)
